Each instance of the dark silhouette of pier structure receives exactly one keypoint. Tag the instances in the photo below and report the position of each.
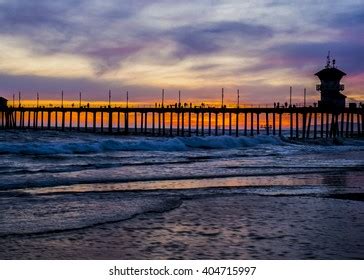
(330, 119)
(303, 122)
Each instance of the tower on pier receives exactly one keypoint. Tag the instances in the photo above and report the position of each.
(3, 102)
(330, 87)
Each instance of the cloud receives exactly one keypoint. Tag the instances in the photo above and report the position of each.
(22, 13)
(107, 58)
(110, 31)
(150, 44)
(34, 19)
(213, 37)
(51, 87)
(353, 18)
(348, 55)
(87, 28)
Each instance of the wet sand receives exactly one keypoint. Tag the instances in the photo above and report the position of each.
(219, 226)
(84, 196)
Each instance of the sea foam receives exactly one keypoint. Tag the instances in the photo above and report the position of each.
(38, 215)
(107, 143)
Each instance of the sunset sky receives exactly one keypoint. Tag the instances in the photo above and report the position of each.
(261, 47)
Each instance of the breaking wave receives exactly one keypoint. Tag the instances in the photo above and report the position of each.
(37, 215)
(99, 145)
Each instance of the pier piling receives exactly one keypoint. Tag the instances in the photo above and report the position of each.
(346, 123)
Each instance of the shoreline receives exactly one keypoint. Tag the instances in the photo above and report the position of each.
(232, 198)
(220, 226)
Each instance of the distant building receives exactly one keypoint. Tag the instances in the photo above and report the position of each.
(330, 87)
(3, 102)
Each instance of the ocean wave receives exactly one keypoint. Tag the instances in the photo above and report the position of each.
(229, 142)
(40, 215)
(57, 143)
(83, 167)
(99, 145)
(59, 181)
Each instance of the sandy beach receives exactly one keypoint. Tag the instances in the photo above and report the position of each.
(219, 225)
(72, 196)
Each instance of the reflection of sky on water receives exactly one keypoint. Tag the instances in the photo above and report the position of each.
(233, 198)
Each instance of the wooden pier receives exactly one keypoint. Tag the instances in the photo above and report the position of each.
(294, 122)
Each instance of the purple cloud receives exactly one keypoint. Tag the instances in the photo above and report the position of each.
(214, 37)
(348, 55)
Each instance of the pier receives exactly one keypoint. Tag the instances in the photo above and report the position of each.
(330, 117)
(293, 122)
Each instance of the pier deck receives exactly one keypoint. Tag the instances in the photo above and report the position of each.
(297, 122)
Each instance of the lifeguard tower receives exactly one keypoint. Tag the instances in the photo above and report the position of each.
(3, 103)
(330, 87)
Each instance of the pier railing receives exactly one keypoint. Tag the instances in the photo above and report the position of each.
(293, 122)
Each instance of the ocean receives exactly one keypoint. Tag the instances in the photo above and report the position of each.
(67, 195)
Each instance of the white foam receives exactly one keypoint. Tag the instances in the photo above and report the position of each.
(32, 215)
(107, 143)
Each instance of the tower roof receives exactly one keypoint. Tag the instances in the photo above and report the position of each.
(330, 73)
